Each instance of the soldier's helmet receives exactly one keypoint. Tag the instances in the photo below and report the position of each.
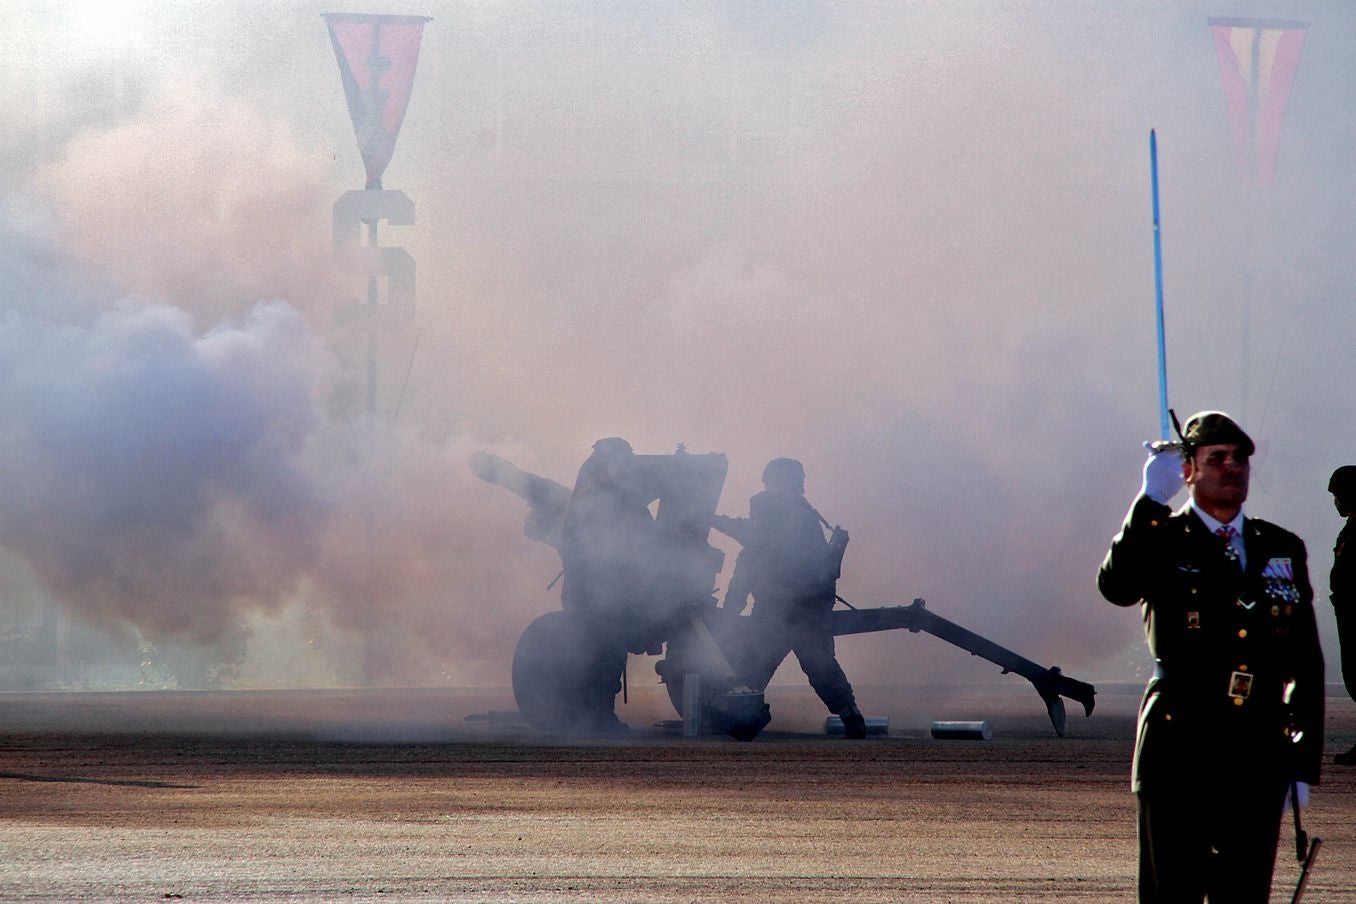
(1342, 484)
(1213, 428)
(608, 465)
(784, 474)
(613, 448)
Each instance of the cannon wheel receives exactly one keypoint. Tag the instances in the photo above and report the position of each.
(548, 671)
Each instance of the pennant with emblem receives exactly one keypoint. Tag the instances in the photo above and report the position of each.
(377, 56)
(1258, 59)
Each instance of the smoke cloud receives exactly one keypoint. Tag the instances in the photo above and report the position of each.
(907, 244)
(151, 474)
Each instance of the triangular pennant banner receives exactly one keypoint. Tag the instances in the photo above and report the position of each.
(1257, 60)
(377, 55)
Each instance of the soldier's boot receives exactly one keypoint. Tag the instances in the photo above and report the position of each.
(854, 723)
(601, 722)
(608, 724)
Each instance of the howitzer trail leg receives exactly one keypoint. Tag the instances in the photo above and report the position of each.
(1050, 683)
(1054, 705)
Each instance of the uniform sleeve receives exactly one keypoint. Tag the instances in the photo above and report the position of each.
(1306, 667)
(1126, 575)
(1341, 579)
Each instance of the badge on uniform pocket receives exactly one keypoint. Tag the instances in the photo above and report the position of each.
(1193, 620)
(1240, 685)
(1283, 590)
(1279, 568)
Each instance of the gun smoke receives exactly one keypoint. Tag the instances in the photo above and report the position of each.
(907, 245)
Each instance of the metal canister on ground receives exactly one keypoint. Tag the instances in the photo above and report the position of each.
(962, 731)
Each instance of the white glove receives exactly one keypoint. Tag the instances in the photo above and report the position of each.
(1162, 474)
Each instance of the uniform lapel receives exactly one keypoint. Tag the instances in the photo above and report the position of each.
(1208, 550)
(1199, 534)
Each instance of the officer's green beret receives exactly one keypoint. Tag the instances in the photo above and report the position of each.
(1213, 428)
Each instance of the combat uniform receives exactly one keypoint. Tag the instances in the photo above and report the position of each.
(1342, 590)
(792, 572)
(607, 542)
(1239, 674)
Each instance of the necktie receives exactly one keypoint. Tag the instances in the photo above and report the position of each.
(1227, 533)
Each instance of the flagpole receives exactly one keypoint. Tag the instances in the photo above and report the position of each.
(377, 75)
(1158, 295)
(1254, 111)
(370, 652)
(1258, 59)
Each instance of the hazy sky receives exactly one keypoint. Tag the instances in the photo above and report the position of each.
(907, 243)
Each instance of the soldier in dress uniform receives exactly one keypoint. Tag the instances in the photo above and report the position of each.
(1342, 584)
(1233, 715)
(792, 572)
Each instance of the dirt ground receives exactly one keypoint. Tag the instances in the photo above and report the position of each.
(392, 795)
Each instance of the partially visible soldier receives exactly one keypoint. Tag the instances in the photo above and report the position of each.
(1342, 584)
(1233, 716)
(607, 542)
(792, 572)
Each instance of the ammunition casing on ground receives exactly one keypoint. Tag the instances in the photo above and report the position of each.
(962, 731)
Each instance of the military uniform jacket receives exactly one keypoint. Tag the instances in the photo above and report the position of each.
(1342, 578)
(1231, 648)
(790, 564)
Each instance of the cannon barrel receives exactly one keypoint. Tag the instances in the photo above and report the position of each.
(546, 498)
(1051, 683)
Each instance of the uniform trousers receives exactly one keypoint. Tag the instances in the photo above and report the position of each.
(1346, 641)
(807, 633)
(599, 680)
(1211, 840)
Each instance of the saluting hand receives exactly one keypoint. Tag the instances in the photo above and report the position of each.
(1162, 473)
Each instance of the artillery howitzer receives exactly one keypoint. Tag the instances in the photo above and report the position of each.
(681, 619)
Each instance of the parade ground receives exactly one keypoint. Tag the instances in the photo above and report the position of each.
(394, 795)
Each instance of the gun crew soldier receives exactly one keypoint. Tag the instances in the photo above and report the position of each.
(609, 548)
(1233, 715)
(792, 572)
